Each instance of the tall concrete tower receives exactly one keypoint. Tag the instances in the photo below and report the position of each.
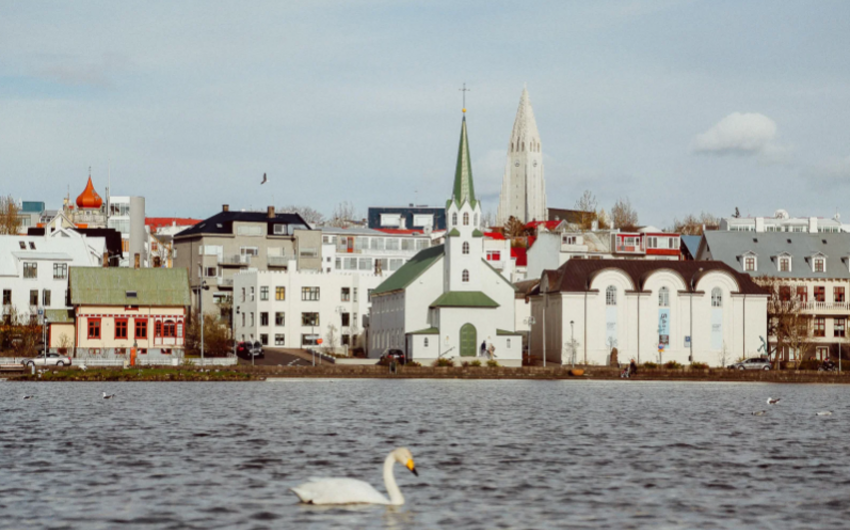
(523, 188)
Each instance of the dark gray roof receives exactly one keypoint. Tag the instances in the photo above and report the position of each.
(222, 222)
(729, 247)
(691, 243)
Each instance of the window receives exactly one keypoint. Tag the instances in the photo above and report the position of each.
(250, 251)
(820, 327)
(280, 293)
(211, 272)
(454, 219)
(264, 318)
(252, 319)
(508, 342)
(820, 293)
(279, 229)
(252, 294)
(426, 342)
(465, 219)
(158, 328)
(279, 339)
(838, 293)
(716, 297)
(355, 293)
(243, 294)
(169, 329)
(839, 326)
(243, 319)
(652, 242)
(611, 295)
(802, 293)
(820, 265)
(345, 294)
(22, 244)
(279, 318)
(120, 328)
(494, 255)
(569, 240)
(346, 319)
(7, 297)
(94, 328)
(34, 297)
(30, 270)
(264, 293)
(264, 339)
(141, 329)
(309, 319)
(784, 264)
(309, 294)
(465, 247)
(60, 271)
(465, 275)
(785, 293)
(664, 297)
(749, 263)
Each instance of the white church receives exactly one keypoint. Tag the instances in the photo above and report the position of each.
(523, 193)
(447, 301)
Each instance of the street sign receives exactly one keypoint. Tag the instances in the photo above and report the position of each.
(687, 341)
(318, 341)
(40, 311)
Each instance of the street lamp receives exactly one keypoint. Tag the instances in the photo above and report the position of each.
(530, 321)
(572, 344)
(203, 287)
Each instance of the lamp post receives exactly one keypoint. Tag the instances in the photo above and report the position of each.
(530, 321)
(572, 344)
(203, 287)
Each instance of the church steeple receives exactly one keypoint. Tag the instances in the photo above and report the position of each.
(464, 190)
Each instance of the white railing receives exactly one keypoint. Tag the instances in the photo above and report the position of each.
(225, 282)
(817, 306)
(280, 261)
(235, 259)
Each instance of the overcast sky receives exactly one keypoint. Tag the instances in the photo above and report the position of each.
(680, 106)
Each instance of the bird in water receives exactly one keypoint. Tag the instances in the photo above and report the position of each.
(353, 491)
(771, 401)
(28, 396)
(824, 413)
(759, 413)
(265, 179)
(108, 396)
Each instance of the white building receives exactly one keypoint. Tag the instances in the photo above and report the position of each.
(295, 308)
(782, 222)
(523, 194)
(369, 250)
(34, 269)
(693, 311)
(447, 301)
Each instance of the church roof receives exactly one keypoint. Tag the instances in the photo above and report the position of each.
(525, 126)
(464, 299)
(89, 198)
(463, 190)
(426, 331)
(411, 270)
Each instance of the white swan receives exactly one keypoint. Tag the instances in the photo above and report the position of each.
(353, 491)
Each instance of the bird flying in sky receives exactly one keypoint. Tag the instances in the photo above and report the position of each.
(265, 179)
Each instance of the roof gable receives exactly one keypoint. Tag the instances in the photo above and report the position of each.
(411, 270)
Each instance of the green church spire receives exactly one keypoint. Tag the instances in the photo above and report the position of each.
(463, 190)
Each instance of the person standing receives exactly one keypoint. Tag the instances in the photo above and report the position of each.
(633, 368)
(483, 351)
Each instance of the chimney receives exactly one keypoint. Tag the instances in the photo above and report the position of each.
(138, 259)
(271, 212)
(225, 207)
(106, 259)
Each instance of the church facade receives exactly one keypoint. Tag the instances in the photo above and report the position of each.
(523, 194)
(447, 301)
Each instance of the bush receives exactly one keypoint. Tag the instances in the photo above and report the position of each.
(699, 366)
(650, 366)
(442, 361)
(492, 364)
(414, 364)
(672, 365)
(809, 364)
(476, 362)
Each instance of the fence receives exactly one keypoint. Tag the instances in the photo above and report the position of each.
(97, 361)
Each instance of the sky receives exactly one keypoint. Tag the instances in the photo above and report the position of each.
(679, 106)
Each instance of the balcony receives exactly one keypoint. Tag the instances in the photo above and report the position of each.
(235, 260)
(225, 283)
(820, 307)
(280, 261)
(629, 249)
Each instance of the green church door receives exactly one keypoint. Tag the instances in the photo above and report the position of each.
(468, 341)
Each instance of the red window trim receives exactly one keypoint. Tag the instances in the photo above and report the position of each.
(126, 323)
(89, 322)
(136, 323)
(158, 329)
(169, 329)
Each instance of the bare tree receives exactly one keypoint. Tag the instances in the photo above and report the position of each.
(604, 220)
(693, 225)
(587, 202)
(10, 222)
(723, 356)
(313, 217)
(343, 214)
(216, 336)
(786, 322)
(623, 216)
(331, 337)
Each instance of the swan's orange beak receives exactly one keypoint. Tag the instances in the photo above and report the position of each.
(412, 467)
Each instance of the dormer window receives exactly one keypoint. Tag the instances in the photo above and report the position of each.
(784, 264)
(749, 263)
(818, 262)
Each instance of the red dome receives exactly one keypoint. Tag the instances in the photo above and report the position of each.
(89, 198)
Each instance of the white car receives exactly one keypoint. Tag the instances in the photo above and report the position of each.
(52, 359)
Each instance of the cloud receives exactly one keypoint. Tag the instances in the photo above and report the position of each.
(744, 134)
(829, 175)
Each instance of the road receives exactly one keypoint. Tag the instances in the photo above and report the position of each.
(278, 357)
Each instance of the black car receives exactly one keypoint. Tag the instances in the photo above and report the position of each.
(393, 354)
(243, 350)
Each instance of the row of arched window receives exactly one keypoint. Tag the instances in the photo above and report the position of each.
(465, 219)
(533, 146)
(663, 297)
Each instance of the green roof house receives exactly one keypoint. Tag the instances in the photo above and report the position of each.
(447, 301)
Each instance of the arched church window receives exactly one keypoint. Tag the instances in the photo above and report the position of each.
(465, 247)
(465, 276)
(664, 297)
(426, 342)
(454, 219)
(465, 219)
(611, 295)
(716, 297)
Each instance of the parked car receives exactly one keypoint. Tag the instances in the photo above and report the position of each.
(756, 363)
(257, 350)
(52, 359)
(243, 350)
(393, 354)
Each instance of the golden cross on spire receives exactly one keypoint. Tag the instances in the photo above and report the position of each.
(464, 90)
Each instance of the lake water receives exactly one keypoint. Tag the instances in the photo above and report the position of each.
(490, 454)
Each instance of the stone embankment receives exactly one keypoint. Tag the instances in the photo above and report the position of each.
(249, 373)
